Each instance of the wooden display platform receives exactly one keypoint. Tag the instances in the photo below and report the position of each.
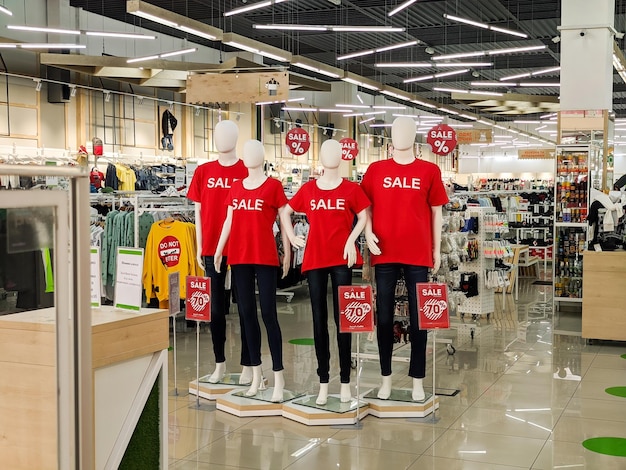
(212, 391)
(401, 409)
(246, 407)
(330, 414)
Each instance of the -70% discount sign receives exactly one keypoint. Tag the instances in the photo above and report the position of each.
(442, 139)
(298, 141)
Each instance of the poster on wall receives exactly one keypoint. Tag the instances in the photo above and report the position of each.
(474, 136)
(356, 311)
(432, 300)
(198, 302)
(297, 141)
(128, 275)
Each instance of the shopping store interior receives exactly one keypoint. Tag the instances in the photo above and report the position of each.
(109, 108)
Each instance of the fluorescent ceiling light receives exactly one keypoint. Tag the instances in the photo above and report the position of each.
(8, 45)
(446, 110)
(46, 45)
(466, 21)
(43, 30)
(462, 126)
(513, 77)
(487, 123)
(467, 116)
(6, 11)
(330, 110)
(380, 49)
(381, 125)
(364, 106)
(425, 105)
(304, 110)
(141, 59)
(531, 74)
(118, 35)
(437, 75)
(516, 49)
(336, 28)
(491, 84)
(405, 64)
(487, 93)
(181, 52)
(541, 85)
(315, 69)
(243, 43)
(367, 120)
(353, 81)
(155, 18)
(508, 31)
(261, 103)
(388, 107)
(356, 54)
(197, 32)
(292, 27)
(374, 113)
(460, 55)
(401, 7)
(463, 64)
(397, 46)
(374, 29)
(450, 90)
(253, 6)
(526, 121)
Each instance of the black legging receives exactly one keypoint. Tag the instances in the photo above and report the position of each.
(267, 276)
(318, 288)
(219, 307)
(386, 278)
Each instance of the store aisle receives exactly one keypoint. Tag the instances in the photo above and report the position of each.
(527, 399)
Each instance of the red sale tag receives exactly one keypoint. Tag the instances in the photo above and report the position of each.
(198, 301)
(356, 311)
(349, 148)
(442, 139)
(297, 141)
(432, 299)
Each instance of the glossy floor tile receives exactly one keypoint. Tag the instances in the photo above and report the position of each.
(512, 396)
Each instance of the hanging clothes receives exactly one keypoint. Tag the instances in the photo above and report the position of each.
(168, 124)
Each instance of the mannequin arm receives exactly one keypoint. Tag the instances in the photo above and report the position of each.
(197, 208)
(285, 238)
(372, 240)
(349, 251)
(285, 222)
(437, 223)
(217, 260)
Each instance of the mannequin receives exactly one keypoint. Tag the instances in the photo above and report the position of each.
(254, 204)
(209, 188)
(330, 203)
(404, 232)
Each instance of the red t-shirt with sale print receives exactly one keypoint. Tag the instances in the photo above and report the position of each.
(402, 197)
(210, 186)
(254, 213)
(331, 217)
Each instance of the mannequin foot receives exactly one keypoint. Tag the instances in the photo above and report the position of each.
(345, 395)
(246, 375)
(418, 390)
(322, 397)
(256, 381)
(279, 386)
(384, 392)
(218, 374)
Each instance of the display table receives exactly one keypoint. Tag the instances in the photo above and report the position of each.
(604, 296)
(129, 353)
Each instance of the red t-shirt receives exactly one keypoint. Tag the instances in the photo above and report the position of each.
(254, 213)
(331, 216)
(210, 186)
(402, 197)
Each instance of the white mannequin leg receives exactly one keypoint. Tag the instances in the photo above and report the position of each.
(218, 373)
(385, 389)
(322, 397)
(256, 380)
(279, 386)
(345, 394)
(418, 390)
(246, 375)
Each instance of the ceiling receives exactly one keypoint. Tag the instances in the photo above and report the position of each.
(423, 20)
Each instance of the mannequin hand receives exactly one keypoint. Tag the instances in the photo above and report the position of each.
(297, 241)
(436, 262)
(372, 243)
(349, 254)
(217, 262)
(200, 260)
(286, 263)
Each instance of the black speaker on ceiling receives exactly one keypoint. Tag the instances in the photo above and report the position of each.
(329, 130)
(58, 93)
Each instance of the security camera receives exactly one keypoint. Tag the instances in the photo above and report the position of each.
(582, 33)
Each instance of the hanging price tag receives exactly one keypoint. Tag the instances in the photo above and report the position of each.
(433, 310)
(356, 311)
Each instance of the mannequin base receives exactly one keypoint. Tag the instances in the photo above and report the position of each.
(212, 391)
(334, 412)
(400, 404)
(238, 404)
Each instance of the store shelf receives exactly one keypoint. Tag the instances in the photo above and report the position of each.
(573, 300)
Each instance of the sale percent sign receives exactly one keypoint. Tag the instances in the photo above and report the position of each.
(356, 311)
(432, 300)
(349, 148)
(298, 141)
(198, 301)
(442, 139)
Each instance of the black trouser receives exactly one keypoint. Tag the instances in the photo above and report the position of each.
(318, 289)
(266, 276)
(219, 307)
(386, 278)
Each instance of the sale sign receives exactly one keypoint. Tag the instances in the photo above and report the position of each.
(298, 141)
(349, 148)
(356, 311)
(198, 301)
(432, 299)
(442, 139)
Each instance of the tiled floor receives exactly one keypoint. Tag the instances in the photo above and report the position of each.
(527, 399)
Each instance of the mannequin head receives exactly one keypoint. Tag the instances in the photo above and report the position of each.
(225, 136)
(403, 133)
(253, 154)
(330, 154)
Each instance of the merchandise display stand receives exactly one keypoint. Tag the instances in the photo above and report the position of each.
(238, 404)
(212, 391)
(400, 404)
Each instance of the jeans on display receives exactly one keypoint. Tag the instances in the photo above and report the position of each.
(267, 278)
(386, 278)
(219, 307)
(318, 289)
